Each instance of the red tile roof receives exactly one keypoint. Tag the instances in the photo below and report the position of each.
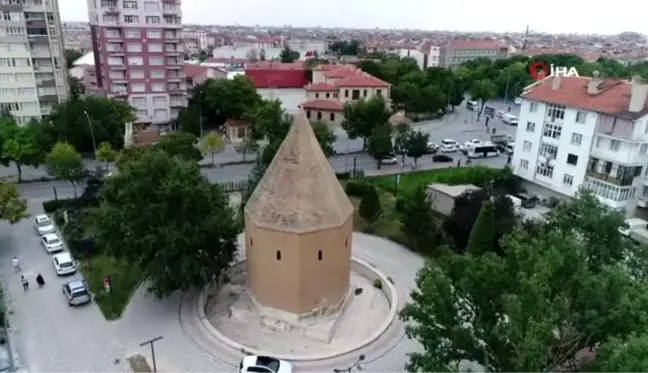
(227, 60)
(193, 70)
(343, 72)
(613, 97)
(330, 105)
(271, 65)
(321, 87)
(362, 81)
(327, 67)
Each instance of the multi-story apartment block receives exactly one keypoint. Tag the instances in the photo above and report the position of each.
(456, 52)
(138, 55)
(32, 65)
(588, 132)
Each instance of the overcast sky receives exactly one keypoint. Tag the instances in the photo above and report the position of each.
(557, 16)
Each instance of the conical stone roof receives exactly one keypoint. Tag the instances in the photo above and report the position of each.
(299, 191)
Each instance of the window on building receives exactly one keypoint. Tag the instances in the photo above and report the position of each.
(133, 34)
(130, 5)
(316, 95)
(135, 61)
(159, 100)
(156, 61)
(332, 117)
(21, 62)
(308, 114)
(555, 112)
(530, 127)
(5, 62)
(548, 151)
(157, 74)
(138, 101)
(131, 19)
(151, 6)
(615, 145)
(142, 113)
(552, 130)
(278, 255)
(112, 33)
(138, 87)
(161, 114)
(319, 115)
(526, 146)
(364, 93)
(319, 255)
(643, 148)
(134, 47)
(155, 47)
(609, 191)
(328, 95)
(378, 92)
(136, 74)
(581, 116)
(524, 164)
(115, 61)
(154, 34)
(572, 159)
(576, 138)
(157, 87)
(545, 170)
(568, 179)
(346, 93)
(152, 20)
(355, 94)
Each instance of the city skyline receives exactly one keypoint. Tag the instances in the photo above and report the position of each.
(568, 17)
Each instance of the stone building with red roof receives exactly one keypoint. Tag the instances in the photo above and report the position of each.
(589, 132)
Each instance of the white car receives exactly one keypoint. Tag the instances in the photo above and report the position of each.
(500, 113)
(449, 146)
(64, 264)
(389, 160)
(52, 243)
(468, 144)
(264, 364)
(43, 224)
(432, 146)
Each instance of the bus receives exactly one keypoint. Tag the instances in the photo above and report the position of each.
(483, 151)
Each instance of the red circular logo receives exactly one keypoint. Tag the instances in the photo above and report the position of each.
(539, 70)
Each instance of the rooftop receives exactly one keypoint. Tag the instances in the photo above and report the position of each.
(272, 65)
(321, 87)
(299, 191)
(323, 104)
(453, 191)
(362, 81)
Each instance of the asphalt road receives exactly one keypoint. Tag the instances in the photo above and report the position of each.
(460, 126)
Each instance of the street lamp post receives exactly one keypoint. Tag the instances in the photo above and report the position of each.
(152, 343)
(508, 80)
(355, 365)
(94, 142)
(346, 155)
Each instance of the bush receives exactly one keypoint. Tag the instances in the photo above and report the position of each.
(55, 204)
(358, 188)
(343, 175)
(377, 284)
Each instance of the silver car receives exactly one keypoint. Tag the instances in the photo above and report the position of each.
(76, 292)
(43, 224)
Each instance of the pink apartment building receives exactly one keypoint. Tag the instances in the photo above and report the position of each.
(138, 55)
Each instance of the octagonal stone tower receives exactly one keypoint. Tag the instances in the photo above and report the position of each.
(298, 227)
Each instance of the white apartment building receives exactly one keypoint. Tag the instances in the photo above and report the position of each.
(589, 132)
(32, 64)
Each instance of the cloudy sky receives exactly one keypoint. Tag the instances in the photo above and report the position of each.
(557, 16)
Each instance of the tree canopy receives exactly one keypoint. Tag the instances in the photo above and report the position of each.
(180, 144)
(362, 116)
(159, 214)
(65, 163)
(288, 55)
(12, 208)
(20, 145)
(535, 306)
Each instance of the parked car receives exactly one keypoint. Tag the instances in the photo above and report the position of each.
(52, 243)
(77, 293)
(442, 158)
(43, 224)
(500, 113)
(469, 144)
(389, 161)
(528, 202)
(449, 146)
(64, 264)
(264, 364)
(432, 148)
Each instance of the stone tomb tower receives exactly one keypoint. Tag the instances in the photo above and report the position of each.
(298, 227)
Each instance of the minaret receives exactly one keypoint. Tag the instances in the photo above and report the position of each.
(524, 41)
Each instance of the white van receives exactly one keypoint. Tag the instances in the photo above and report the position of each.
(483, 150)
(510, 119)
(510, 147)
(630, 225)
(472, 105)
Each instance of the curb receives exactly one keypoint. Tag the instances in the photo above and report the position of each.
(391, 317)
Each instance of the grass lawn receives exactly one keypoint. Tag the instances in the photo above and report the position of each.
(124, 280)
(388, 225)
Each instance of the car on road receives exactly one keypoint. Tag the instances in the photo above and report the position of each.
(389, 161)
(76, 292)
(469, 144)
(432, 148)
(510, 119)
(64, 264)
(500, 113)
(449, 146)
(472, 105)
(52, 243)
(442, 158)
(510, 147)
(43, 224)
(264, 364)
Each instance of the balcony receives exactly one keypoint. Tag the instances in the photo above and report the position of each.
(176, 77)
(554, 120)
(178, 103)
(44, 68)
(116, 52)
(174, 88)
(111, 10)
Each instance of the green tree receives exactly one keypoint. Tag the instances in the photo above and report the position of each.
(128, 155)
(402, 135)
(626, 354)
(20, 146)
(189, 120)
(12, 208)
(65, 163)
(379, 145)
(417, 145)
(362, 116)
(417, 221)
(106, 153)
(212, 144)
(246, 146)
(325, 136)
(530, 309)
(482, 235)
(71, 55)
(160, 215)
(288, 55)
(370, 207)
(180, 144)
(483, 91)
(68, 122)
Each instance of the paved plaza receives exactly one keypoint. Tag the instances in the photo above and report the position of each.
(47, 335)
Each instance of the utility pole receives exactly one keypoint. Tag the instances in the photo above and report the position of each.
(94, 142)
(200, 116)
(152, 343)
(508, 80)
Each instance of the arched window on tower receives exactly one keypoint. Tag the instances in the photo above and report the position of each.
(319, 255)
(278, 255)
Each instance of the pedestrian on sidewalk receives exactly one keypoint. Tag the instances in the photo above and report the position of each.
(16, 264)
(25, 283)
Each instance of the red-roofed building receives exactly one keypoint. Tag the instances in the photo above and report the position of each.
(589, 132)
(272, 74)
(196, 74)
(334, 85)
